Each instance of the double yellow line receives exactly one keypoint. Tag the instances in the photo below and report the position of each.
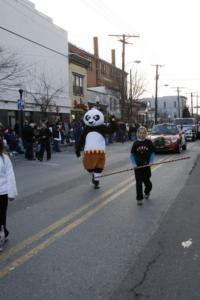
(91, 208)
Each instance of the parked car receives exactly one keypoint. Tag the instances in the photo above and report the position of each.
(168, 137)
(189, 126)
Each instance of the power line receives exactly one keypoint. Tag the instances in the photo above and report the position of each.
(34, 42)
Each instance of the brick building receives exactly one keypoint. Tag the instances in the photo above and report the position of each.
(101, 73)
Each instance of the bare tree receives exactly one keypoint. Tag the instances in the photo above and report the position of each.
(44, 95)
(11, 70)
(137, 86)
(137, 89)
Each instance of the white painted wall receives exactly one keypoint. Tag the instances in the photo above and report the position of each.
(171, 105)
(21, 17)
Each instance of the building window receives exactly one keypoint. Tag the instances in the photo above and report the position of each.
(175, 104)
(77, 84)
(103, 68)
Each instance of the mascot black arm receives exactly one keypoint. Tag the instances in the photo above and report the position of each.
(81, 142)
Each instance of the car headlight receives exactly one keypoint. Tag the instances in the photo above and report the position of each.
(168, 142)
(174, 139)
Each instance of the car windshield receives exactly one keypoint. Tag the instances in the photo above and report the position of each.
(184, 121)
(164, 129)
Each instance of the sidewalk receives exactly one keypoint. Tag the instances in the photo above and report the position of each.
(168, 269)
(65, 148)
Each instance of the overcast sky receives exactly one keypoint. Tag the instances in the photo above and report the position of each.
(168, 29)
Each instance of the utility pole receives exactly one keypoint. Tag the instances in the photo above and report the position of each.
(156, 92)
(123, 40)
(197, 105)
(192, 104)
(178, 98)
(178, 101)
(131, 97)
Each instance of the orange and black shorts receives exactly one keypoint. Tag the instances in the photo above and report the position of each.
(94, 159)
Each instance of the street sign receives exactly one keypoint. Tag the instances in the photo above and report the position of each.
(20, 104)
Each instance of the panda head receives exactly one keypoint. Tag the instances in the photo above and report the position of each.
(93, 117)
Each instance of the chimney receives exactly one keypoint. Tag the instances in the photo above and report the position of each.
(113, 56)
(96, 47)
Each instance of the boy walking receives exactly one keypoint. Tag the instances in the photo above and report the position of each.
(142, 153)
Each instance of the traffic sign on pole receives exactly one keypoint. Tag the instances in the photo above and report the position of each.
(20, 104)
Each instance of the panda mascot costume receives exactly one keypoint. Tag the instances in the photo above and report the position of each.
(92, 142)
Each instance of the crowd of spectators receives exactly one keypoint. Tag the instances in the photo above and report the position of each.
(35, 139)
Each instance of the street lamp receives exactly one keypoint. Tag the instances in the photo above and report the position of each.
(20, 106)
(137, 61)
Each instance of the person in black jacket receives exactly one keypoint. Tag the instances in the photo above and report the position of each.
(44, 140)
(57, 138)
(142, 153)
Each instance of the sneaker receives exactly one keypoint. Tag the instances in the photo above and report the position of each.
(96, 184)
(146, 196)
(139, 202)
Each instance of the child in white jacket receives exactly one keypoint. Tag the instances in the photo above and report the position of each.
(8, 191)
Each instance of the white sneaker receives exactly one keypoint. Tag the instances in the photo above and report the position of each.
(146, 196)
(139, 202)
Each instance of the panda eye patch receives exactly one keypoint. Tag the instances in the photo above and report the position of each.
(87, 118)
(96, 117)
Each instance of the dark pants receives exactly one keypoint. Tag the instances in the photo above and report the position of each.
(28, 150)
(3, 212)
(44, 145)
(56, 146)
(143, 176)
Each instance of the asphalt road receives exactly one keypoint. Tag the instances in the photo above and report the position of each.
(69, 241)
